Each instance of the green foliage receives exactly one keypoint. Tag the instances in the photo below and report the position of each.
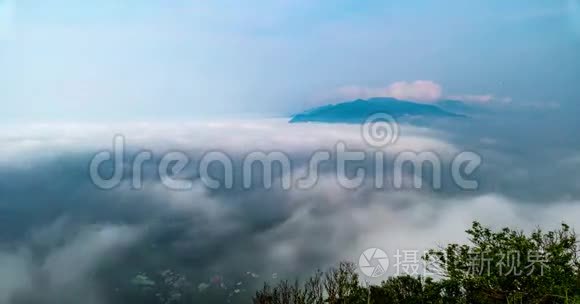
(508, 266)
(505, 266)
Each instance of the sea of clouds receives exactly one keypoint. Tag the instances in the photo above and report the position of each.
(64, 240)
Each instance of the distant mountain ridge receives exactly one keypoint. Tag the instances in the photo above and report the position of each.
(359, 110)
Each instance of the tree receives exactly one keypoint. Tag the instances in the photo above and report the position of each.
(509, 266)
(504, 266)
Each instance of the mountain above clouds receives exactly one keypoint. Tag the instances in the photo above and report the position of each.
(359, 110)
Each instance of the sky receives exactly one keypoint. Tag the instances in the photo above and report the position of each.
(63, 60)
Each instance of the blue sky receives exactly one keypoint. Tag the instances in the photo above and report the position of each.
(128, 59)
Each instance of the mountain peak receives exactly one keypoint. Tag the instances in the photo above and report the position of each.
(357, 111)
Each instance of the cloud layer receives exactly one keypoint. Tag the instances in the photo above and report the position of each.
(427, 91)
(58, 218)
(419, 90)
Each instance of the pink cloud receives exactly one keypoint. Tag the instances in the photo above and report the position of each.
(426, 91)
(420, 90)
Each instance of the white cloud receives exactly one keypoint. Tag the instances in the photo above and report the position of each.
(485, 98)
(419, 90)
(66, 270)
(398, 221)
(265, 231)
(24, 144)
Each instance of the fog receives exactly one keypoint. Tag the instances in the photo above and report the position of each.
(65, 240)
